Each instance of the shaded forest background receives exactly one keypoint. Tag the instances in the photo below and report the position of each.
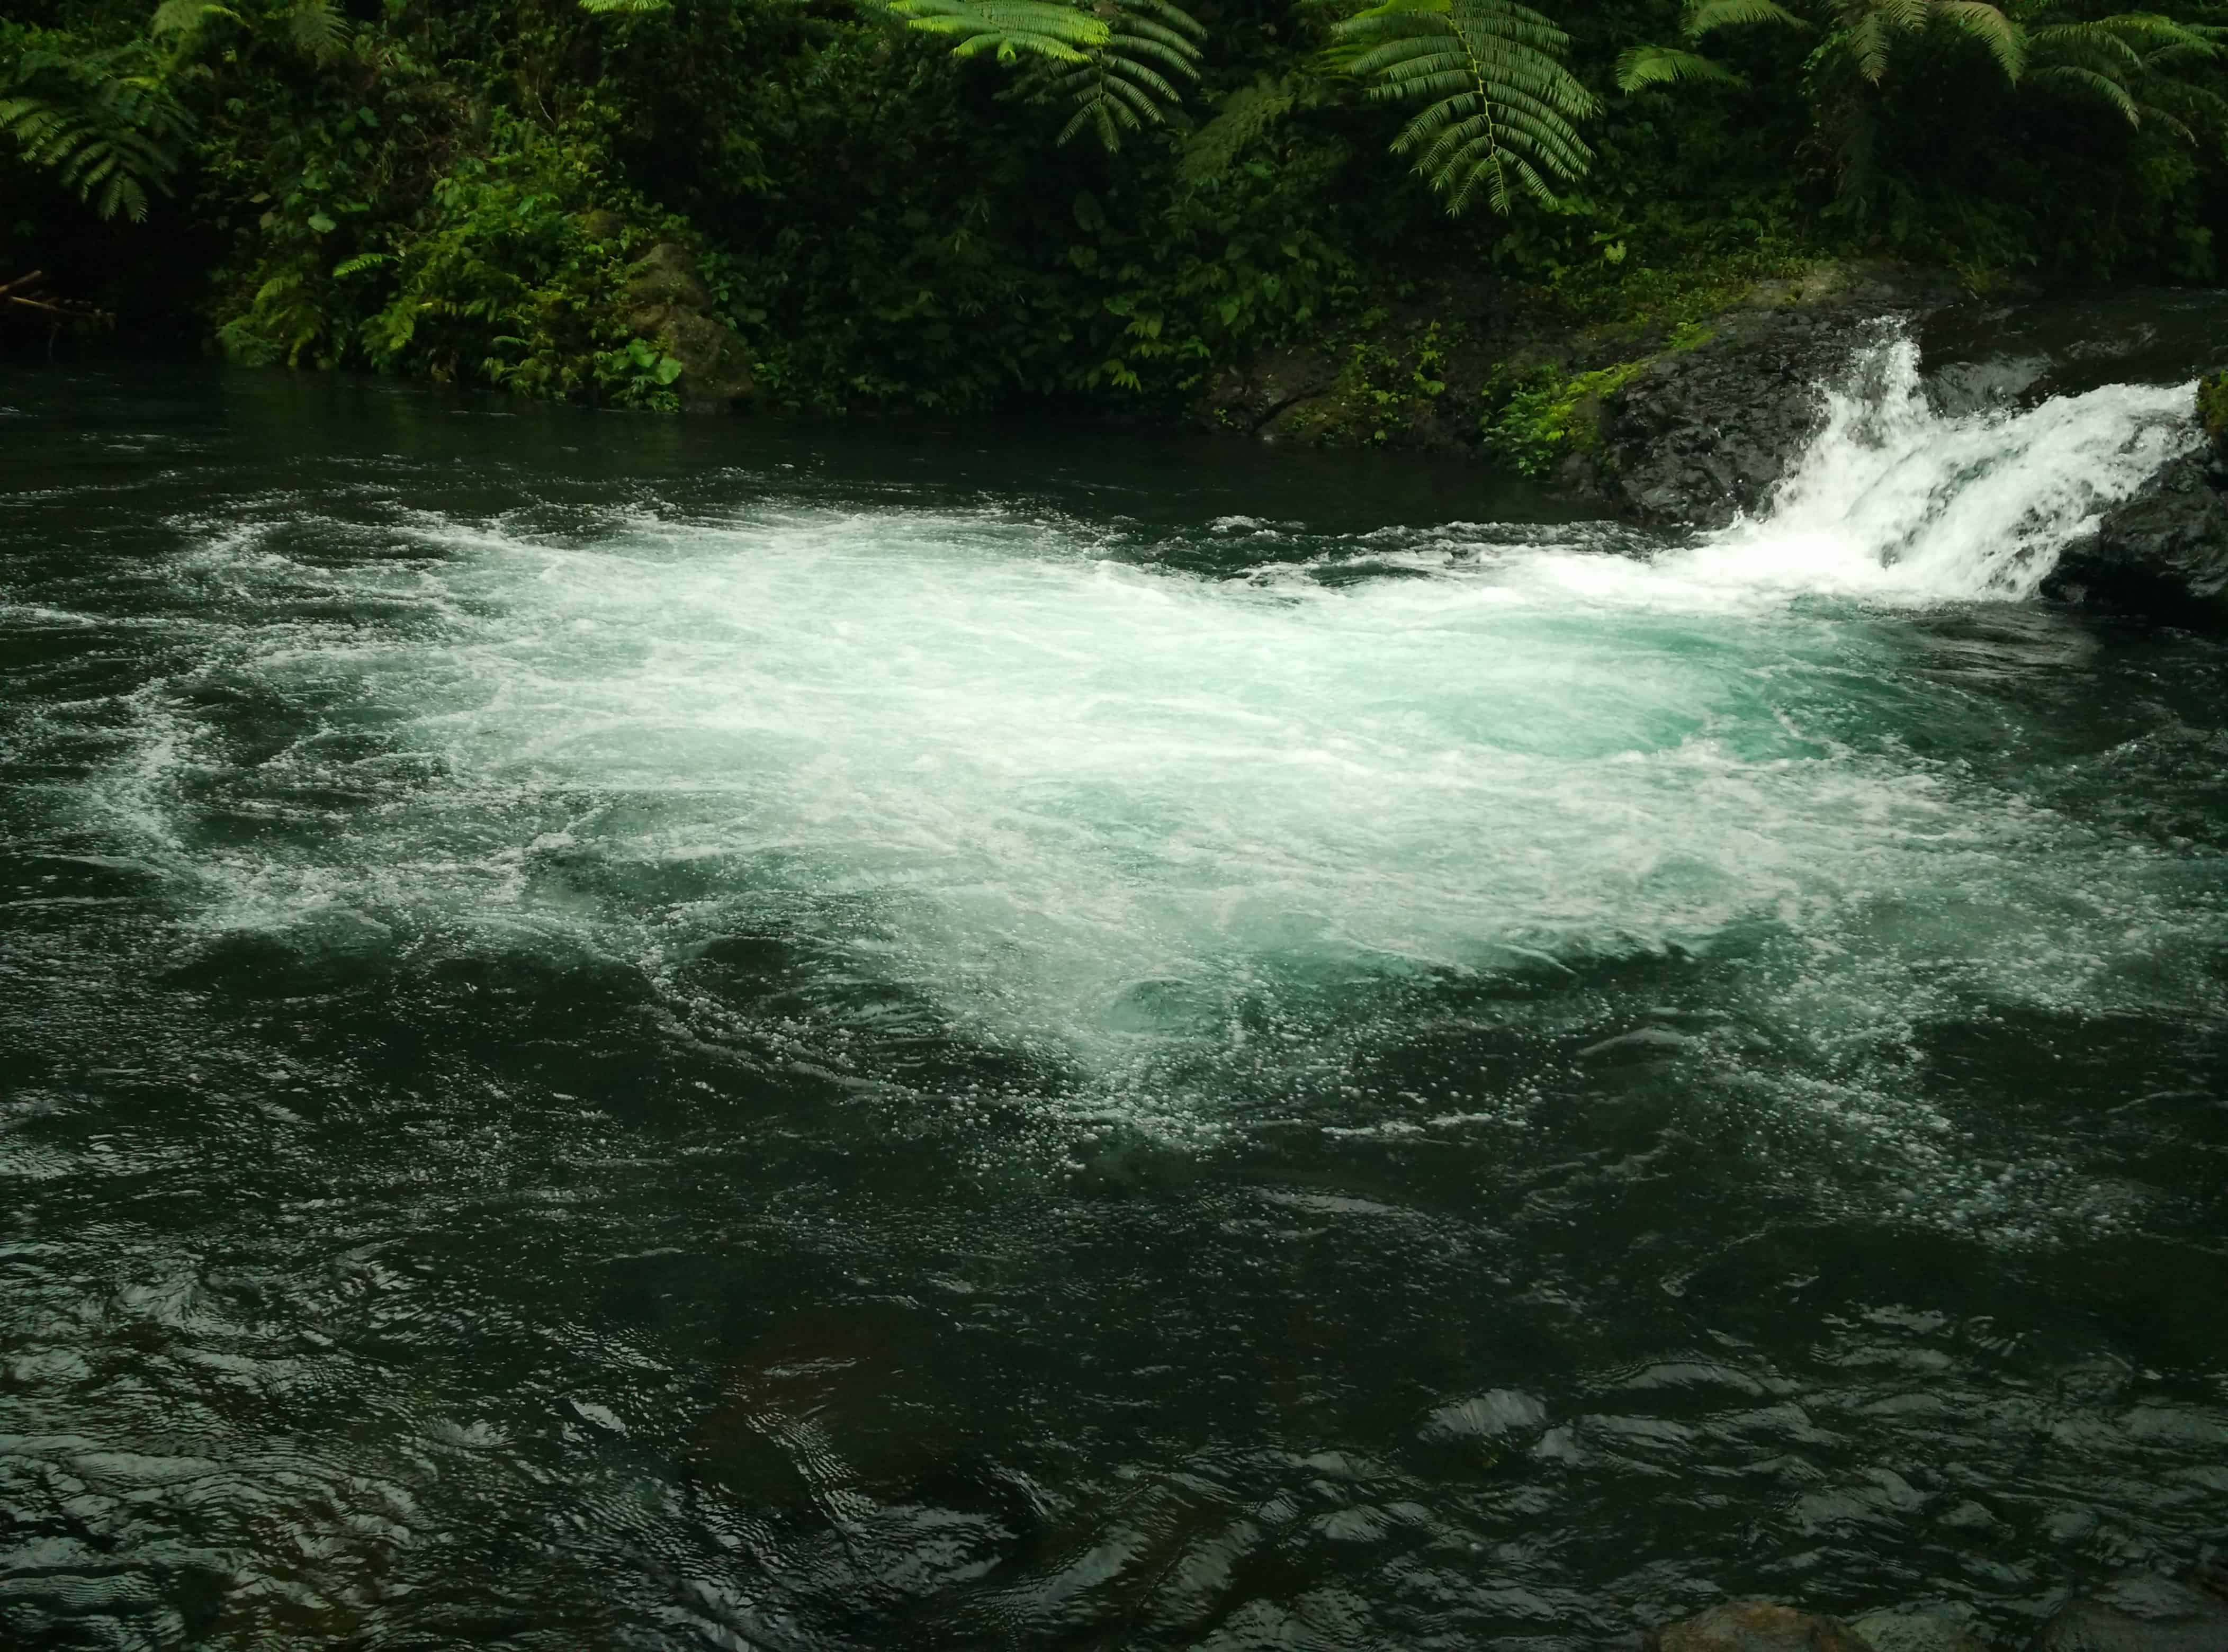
(468, 190)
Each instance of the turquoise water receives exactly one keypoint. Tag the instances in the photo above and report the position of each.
(635, 1035)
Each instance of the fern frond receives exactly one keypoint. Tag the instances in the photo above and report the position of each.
(1866, 43)
(1977, 20)
(186, 18)
(2125, 63)
(1646, 66)
(2089, 43)
(1246, 117)
(1499, 104)
(318, 29)
(1116, 89)
(625, 5)
(1008, 29)
(2091, 83)
(1114, 61)
(1703, 16)
(106, 131)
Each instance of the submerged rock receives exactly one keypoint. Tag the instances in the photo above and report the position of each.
(1915, 1632)
(667, 304)
(2164, 552)
(1755, 1626)
(2141, 1613)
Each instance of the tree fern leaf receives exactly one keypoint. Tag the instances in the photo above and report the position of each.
(316, 28)
(1008, 29)
(1867, 45)
(106, 132)
(1497, 95)
(2093, 83)
(186, 18)
(1985, 24)
(1703, 15)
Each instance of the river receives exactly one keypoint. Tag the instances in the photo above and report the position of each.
(631, 1033)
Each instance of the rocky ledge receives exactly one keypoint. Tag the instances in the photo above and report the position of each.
(1694, 438)
(2164, 552)
(1697, 437)
(2141, 1612)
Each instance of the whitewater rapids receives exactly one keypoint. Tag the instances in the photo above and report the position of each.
(1054, 794)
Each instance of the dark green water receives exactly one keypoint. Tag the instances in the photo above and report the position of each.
(627, 1035)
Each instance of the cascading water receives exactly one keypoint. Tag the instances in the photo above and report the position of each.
(721, 1053)
(1895, 501)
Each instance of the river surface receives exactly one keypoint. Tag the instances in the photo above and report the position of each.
(622, 1033)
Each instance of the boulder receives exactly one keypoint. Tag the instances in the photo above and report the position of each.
(2143, 1612)
(1755, 1626)
(667, 304)
(2164, 552)
(1698, 437)
(1247, 398)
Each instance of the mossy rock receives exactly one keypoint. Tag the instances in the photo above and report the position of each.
(2212, 408)
(667, 303)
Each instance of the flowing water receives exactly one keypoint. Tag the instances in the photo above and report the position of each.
(639, 1035)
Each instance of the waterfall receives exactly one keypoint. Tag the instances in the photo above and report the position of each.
(1895, 501)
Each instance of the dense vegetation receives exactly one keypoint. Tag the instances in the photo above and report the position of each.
(953, 204)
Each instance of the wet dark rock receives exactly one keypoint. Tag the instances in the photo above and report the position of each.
(2164, 552)
(667, 304)
(1702, 435)
(1248, 397)
(2143, 1612)
(1996, 353)
(332, 947)
(1755, 1626)
(1698, 438)
(1493, 1415)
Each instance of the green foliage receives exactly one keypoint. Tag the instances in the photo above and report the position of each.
(1498, 102)
(108, 125)
(2119, 60)
(1245, 119)
(1389, 384)
(1549, 412)
(1010, 28)
(516, 277)
(2132, 63)
(1112, 61)
(459, 189)
(1646, 66)
(1859, 33)
(1119, 87)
